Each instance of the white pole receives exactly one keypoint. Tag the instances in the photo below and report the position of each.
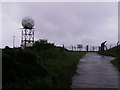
(13, 41)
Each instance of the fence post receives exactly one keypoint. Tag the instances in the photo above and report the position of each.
(87, 48)
(72, 47)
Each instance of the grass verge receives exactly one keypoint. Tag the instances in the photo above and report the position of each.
(43, 66)
(115, 52)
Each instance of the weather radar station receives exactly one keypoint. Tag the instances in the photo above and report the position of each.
(27, 39)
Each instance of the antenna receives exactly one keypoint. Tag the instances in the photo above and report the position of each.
(13, 41)
(27, 38)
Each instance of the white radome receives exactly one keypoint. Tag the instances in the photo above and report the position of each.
(27, 23)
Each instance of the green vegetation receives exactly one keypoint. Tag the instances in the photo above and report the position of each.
(115, 52)
(42, 66)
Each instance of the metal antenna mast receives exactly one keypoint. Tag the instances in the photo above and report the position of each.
(27, 39)
(13, 41)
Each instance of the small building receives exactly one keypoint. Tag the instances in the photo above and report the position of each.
(27, 45)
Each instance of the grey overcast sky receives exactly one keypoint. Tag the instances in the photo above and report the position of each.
(68, 23)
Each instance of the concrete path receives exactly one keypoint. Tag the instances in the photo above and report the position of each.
(95, 71)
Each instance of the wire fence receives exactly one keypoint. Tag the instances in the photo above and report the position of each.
(86, 47)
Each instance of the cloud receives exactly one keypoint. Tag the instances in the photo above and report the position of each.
(63, 23)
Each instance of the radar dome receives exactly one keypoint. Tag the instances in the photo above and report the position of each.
(27, 23)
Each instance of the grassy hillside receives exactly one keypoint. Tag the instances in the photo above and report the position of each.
(42, 66)
(115, 51)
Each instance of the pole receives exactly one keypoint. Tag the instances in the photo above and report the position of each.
(72, 47)
(25, 38)
(13, 41)
(33, 35)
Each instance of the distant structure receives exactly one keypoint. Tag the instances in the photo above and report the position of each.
(27, 38)
(79, 47)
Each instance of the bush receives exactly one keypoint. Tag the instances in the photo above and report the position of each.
(42, 44)
(43, 66)
(19, 66)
